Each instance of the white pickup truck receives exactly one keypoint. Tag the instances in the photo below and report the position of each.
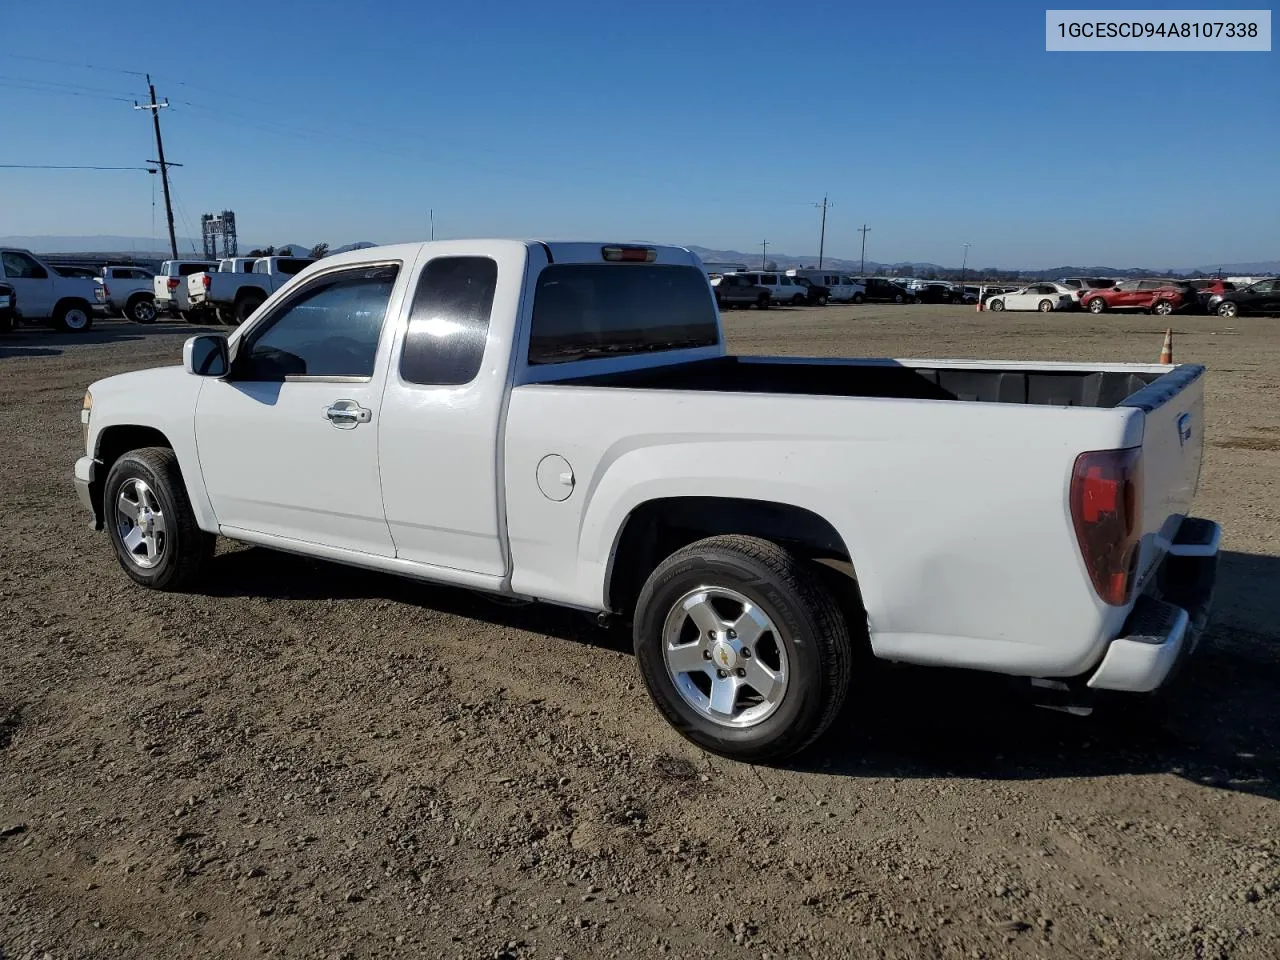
(235, 294)
(44, 295)
(561, 422)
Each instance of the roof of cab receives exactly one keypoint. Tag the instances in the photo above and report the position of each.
(560, 250)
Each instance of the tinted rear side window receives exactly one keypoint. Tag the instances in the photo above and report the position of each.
(187, 269)
(589, 310)
(292, 267)
(449, 321)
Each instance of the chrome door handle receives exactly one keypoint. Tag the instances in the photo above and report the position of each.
(346, 414)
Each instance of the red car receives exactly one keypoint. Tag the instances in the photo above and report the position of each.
(1151, 296)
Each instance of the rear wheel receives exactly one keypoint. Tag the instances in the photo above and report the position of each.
(1046, 306)
(742, 647)
(763, 302)
(1163, 308)
(798, 300)
(1097, 305)
(141, 308)
(1228, 309)
(245, 307)
(898, 298)
(73, 317)
(858, 298)
(995, 305)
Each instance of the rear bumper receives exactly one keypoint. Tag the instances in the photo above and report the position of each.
(1165, 626)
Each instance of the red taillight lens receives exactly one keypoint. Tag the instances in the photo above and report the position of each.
(206, 281)
(173, 283)
(629, 254)
(1106, 509)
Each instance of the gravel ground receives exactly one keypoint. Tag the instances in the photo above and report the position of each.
(314, 762)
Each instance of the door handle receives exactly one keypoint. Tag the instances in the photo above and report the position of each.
(346, 414)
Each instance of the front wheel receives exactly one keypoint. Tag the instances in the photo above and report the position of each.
(150, 520)
(1046, 306)
(1097, 305)
(762, 303)
(141, 309)
(858, 298)
(742, 647)
(995, 306)
(898, 298)
(822, 301)
(245, 308)
(1162, 308)
(1228, 309)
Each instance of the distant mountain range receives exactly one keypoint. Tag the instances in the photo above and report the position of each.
(110, 246)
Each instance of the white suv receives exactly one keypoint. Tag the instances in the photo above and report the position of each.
(842, 289)
(782, 288)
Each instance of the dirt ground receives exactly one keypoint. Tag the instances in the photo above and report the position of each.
(307, 761)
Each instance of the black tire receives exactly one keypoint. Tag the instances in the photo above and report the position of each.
(1162, 308)
(996, 306)
(858, 298)
(1046, 306)
(822, 301)
(245, 307)
(1097, 305)
(898, 298)
(808, 625)
(141, 308)
(7, 323)
(762, 303)
(1228, 309)
(74, 316)
(185, 548)
(189, 316)
(798, 300)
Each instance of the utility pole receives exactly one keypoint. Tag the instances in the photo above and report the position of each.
(764, 249)
(965, 262)
(155, 109)
(863, 230)
(432, 214)
(822, 236)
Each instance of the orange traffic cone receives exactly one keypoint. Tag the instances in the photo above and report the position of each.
(1166, 351)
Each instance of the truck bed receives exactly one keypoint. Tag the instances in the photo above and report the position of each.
(887, 379)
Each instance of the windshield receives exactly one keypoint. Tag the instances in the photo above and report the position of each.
(596, 309)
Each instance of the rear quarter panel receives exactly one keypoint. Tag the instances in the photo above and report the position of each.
(955, 514)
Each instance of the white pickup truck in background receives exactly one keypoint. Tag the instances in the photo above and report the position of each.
(170, 286)
(561, 422)
(44, 295)
(128, 292)
(235, 295)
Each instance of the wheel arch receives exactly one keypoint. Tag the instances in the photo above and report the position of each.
(656, 528)
(66, 303)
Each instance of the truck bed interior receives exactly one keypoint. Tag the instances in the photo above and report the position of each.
(767, 375)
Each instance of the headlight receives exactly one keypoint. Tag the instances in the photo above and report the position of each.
(86, 410)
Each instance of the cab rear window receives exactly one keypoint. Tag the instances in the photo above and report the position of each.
(583, 310)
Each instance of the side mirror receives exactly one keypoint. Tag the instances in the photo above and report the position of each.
(206, 356)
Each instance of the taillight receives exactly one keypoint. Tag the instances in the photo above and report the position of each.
(173, 283)
(629, 254)
(1106, 509)
(106, 291)
(206, 281)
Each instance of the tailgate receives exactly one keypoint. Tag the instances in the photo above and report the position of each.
(1172, 447)
(195, 287)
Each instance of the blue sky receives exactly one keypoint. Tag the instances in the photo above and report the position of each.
(707, 123)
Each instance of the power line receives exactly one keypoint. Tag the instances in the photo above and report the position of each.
(67, 166)
(66, 93)
(68, 63)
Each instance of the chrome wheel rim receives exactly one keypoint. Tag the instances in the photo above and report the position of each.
(140, 523)
(725, 657)
(1227, 310)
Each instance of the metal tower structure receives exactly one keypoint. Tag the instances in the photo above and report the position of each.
(215, 226)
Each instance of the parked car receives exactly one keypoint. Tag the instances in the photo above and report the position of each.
(562, 422)
(1045, 297)
(936, 293)
(970, 294)
(234, 296)
(1209, 287)
(127, 291)
(841, 288)
(1262, 297)
(816, 295)
(883, 290)
(782, 288)
(72, 270)
(1151, 296)
(8, 308)
(170, 286)
(735, 290)
(44, 295)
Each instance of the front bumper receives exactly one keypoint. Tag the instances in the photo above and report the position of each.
(1165, 626)
(86, 478)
